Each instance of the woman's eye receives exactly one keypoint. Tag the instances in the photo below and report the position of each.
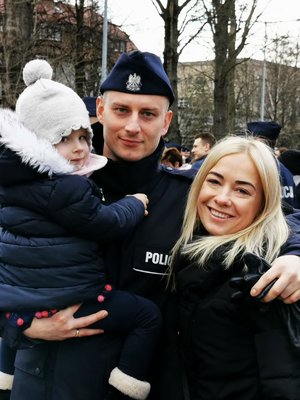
(213, 181)
(243, 191)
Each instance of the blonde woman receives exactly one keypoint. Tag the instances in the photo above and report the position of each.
(233, 349)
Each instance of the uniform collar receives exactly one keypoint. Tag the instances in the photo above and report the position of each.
(119, 178)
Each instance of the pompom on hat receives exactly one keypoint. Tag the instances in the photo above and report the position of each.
(50, 109)
(136, 72)
(265, 129)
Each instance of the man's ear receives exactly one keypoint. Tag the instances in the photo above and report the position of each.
(167, 122)
(99, 108)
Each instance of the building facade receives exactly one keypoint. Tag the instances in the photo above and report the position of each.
(69, 38)
(281, 102)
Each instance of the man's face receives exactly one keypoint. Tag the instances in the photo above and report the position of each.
(199, 149)
(132, 124)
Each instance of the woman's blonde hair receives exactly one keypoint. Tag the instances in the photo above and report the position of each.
(269, 230)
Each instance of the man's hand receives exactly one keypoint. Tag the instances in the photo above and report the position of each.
(286, 271)
(63, 325)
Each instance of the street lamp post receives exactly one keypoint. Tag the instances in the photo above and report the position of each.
(263, 81)
(104, 44)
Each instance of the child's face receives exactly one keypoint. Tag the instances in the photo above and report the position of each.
(75, 148)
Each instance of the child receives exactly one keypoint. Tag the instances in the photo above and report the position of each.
(52, 221)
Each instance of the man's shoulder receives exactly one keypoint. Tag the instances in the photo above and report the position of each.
(197, 164)
(285, 171)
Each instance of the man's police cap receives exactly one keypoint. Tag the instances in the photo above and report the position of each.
(264, 129)
(139, 72)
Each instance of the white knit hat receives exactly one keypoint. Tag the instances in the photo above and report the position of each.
(50, 109)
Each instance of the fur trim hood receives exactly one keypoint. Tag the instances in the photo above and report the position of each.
(34, 152)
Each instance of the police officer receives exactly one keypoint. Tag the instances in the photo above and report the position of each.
(134, 111)
(268, 131)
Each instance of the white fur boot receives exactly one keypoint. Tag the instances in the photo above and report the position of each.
(128, 385)
(6, 381)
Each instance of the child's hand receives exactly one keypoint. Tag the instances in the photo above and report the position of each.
(144, 199)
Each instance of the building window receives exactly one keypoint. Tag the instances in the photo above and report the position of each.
(182, 103)
(118, 46)
(50, 33)
(57, 10)
(122, 46)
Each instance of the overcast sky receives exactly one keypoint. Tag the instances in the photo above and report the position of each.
(141, 21)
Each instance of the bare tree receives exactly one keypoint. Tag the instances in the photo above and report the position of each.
(175, 42)
(68, 34)
(71, 39)
(18, 25)
(79, 65)
(282, 88)
(88, 51)
(222, 19)
(195, 89)
(227, 30)
(247, 92)
(282, 85)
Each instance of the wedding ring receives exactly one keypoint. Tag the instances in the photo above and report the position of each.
(77, 333)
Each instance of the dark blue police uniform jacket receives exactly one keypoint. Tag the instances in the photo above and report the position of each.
(288, 188)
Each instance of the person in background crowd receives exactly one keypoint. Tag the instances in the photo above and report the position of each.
(53, 237)
(291, 160)
(134, 111)
(235, 347)
(186, 155)
(202, 145)
(90, 103)
(279, 150)
(268, 131)
(171, 158)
